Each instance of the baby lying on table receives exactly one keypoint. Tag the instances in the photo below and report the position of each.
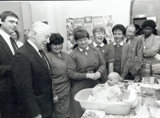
(108, 92)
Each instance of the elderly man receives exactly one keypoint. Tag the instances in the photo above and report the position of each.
(30, 69)
(136, 50)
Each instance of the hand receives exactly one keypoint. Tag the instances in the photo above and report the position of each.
(55, 99)
(90, 75)
(97, 75)
(38, 116)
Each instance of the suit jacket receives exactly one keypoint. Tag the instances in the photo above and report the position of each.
(32, 80)
(6, 80)
(125, 58)
(136, 55)
(136, 45)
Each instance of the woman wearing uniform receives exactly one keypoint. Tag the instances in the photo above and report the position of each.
(120, 50)
(84, 69)
(99, 36)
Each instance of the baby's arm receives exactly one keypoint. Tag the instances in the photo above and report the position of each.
(114, 93)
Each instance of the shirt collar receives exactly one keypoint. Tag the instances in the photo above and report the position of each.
(34, 46)
(125, 39)
(150, 37)
(81, 50)
(95, 44)
(128, 40)
(4, 34)
(121, 43)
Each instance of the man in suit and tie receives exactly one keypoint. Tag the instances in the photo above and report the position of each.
(31, 73)
(9, 22)
(136, 50)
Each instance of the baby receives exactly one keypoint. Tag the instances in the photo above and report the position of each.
(107, 92)
(113, 78)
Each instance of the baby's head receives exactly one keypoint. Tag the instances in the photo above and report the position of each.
(113, 78)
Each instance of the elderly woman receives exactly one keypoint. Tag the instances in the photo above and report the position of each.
(99, 36)
(84, 69)
(150, 42)
(120, 50)
(60, 81)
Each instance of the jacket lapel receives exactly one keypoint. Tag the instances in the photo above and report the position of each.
(38, 58)
(6, 47)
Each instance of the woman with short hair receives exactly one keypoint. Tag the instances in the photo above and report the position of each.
(150, 42)
(120, 50)
(84, 69)
(60, 81)
(99, 33)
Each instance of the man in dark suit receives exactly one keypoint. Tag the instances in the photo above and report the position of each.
(9, 21)
(136, 53)
(31, 73)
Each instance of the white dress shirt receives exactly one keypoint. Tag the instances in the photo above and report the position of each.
(34, 46)
(7, 39)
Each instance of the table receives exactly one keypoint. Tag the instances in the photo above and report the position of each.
(142, 108)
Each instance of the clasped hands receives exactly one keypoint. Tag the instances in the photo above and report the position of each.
(93, 76)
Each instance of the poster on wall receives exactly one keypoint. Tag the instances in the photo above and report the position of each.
(88, 22)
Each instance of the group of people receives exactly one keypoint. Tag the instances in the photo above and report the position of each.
(39, 80)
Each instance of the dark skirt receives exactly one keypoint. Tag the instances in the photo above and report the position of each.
(62, 108)
(76, 110)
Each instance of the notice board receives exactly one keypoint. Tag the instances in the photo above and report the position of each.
(88, 22)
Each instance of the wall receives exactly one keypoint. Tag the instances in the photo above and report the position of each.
(58, 11)
(119, 11)
(16, 8)
(27, 16)
(146, 8)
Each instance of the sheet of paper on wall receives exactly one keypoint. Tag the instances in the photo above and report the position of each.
(107, 18)
(89, 27)
(78, 20)
(96, 19)
(77, 24)
(157, 56)
(99, 24)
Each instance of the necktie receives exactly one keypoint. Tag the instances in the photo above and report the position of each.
(14, 45)
(128, 41)
(45, 60)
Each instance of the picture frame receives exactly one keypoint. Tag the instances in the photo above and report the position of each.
(88, 19)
